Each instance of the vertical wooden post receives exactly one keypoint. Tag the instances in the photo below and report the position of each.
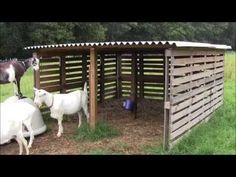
(141, 84)
(62, 74)
(118, 75)
(134, 74)
(93, 87)
(166, 101)
(36, 75)
(84, 68)
(102, 77)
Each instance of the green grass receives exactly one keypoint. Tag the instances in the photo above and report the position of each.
(102, 130)
(218, 135)
(7, 90)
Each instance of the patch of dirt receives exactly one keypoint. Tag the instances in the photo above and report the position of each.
(137, 133)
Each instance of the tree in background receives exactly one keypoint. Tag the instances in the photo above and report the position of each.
(15, 36)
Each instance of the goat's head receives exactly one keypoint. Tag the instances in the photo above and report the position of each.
(40, 97)
(35, 63)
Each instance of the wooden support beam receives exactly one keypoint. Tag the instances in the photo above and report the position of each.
(141, 84)
(62, 74)
(93, 87)
(36, 75)
(84, 68)
(102, 78)
(134, 75)
(166, 134)
(118, 75)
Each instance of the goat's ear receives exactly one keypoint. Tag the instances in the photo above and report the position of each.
(35, 89)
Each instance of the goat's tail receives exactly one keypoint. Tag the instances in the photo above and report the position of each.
(85, 87)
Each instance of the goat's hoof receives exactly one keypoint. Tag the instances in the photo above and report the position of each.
(29, 146)
(59, 135)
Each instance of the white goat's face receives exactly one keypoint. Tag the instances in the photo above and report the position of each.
(35, 63)
(39, 98)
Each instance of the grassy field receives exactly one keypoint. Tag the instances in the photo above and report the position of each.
(218, 136)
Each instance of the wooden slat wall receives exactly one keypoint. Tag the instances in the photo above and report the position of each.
(196, 89)
(150, 75)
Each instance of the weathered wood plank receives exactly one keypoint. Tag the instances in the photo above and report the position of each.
(118, 76)
(42, 79)
(208, 105)
(184, 70)
(184, 96)
(184, 112)
(93, 87)
(47, 67)
(45, 73)
(189, 52)
(101, 81)
(197, 83)
(194, 99)
(62, 75)
(184, 61)
(48, 84)
(193, 122)
(134, 74)
(207, 73)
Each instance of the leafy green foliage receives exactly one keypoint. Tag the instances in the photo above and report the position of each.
(16, 35)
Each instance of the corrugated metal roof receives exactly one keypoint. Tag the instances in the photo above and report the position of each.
(134, 43)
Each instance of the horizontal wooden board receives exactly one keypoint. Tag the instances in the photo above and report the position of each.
(197, 83)
(47, 84)
(196, 91)
(181, 52)
(79, 75)
(49, 78)
(184, 70)
(73, 59)
(74, 70)
(194, 99)
(74, 80)
(74, 65)
(144, 78)
(148, 62)
(45, 73)
(190, 109)
(51, 61)
(47, 67)
(52, 88)
(193, 115)
(184, 61)
(207, 73)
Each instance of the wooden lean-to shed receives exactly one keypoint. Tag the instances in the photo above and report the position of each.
(188, 77)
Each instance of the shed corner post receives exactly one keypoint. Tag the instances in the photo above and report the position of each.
(93, 87)
(166, 134)
(36, 74)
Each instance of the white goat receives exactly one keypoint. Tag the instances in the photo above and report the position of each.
(13, 117)
(64, 104)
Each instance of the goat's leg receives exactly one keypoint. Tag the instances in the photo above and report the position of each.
(80, 118)
(85, 108)
(18, 140)
(15, 88)
(60, 127)
(30, 129)
(18, 87)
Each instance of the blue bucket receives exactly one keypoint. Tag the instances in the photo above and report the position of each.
(128, 104)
